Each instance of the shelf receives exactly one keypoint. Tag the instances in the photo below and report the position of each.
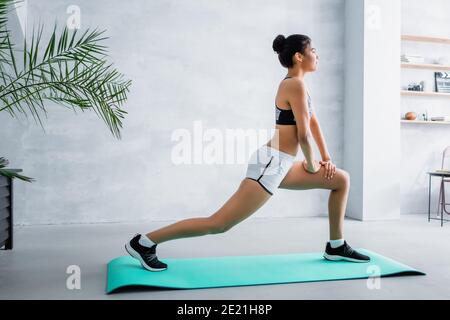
(425, 39)
(425, 66)
(426, 122)
(424, 94)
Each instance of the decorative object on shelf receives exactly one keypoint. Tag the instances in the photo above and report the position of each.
(422, 85)
(443, 118)
(412, 58)
(441, 61)
(424, 116)
(416, 87)
(442, 82)
(411, 116)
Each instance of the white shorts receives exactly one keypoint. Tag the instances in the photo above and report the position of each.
(268, 167)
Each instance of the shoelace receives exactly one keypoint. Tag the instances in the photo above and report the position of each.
(348, 250)
(149, 255)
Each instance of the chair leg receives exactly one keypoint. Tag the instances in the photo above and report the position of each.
(443, 199)
(442, 204)
(439, 201)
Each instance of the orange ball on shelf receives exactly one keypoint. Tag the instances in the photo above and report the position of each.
(411, 116)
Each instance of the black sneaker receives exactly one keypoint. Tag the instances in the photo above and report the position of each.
(146, 255)
(344, 252)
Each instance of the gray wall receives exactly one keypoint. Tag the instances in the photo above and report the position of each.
(189, 60)
(422, 145)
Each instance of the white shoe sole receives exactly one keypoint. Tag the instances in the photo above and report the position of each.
(136, 255)
(340, 258)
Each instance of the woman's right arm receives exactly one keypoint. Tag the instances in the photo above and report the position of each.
(298, 101)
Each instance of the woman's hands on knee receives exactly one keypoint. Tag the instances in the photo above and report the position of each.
(330, 169)
(315, 168)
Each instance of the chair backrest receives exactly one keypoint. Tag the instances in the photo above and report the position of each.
(446, 154)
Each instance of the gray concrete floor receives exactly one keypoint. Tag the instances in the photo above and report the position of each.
(36, 268)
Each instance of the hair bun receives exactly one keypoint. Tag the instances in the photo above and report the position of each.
(278, 43)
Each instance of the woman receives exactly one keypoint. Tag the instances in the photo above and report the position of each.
(272, 166)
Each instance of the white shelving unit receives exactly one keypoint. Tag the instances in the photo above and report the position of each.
(424, 66)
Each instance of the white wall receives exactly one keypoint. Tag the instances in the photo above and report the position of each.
(354, 100)
(422, 145)
(189, 60)
(381, 101)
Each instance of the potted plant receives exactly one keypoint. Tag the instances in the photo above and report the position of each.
(70, 69)
(6, 202)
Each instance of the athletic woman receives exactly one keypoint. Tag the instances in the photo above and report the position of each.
(273, 166)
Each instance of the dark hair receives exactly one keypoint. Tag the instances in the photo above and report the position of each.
(287, 47)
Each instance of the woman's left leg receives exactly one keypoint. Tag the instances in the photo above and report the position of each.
(299, 179)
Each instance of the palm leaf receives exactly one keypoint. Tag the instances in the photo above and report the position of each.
(69, 69)
(5, 8)
(10, 173)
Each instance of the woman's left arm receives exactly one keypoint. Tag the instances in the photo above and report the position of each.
(319, 138)
(330, 168)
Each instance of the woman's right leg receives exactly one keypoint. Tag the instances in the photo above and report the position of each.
(249, 197)
(298, 179)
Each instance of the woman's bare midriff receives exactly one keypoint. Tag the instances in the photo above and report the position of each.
(285, 140)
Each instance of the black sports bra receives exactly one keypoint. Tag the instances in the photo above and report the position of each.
(286, 117)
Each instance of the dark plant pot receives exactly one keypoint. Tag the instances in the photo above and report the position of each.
(6, 211)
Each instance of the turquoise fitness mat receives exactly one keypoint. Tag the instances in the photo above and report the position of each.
(195, 273)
